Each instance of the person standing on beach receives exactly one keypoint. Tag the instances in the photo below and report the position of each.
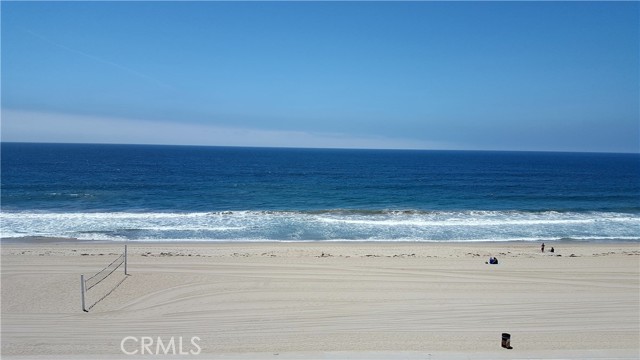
(542, 247)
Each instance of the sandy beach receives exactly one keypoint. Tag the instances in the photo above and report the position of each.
(327, 300)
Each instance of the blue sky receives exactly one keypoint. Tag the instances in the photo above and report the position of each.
(550, 76)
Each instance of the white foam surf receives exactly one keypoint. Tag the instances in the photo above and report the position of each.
(335, 225)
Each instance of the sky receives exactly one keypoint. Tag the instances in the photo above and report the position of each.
(524, 76)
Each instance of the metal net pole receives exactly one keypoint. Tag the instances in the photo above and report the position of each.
(82, 291)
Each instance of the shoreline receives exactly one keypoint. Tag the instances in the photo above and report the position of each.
(70, 240)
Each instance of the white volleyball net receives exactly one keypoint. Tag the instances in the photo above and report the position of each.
(97, 286)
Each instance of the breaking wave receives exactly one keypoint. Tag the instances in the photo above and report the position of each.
(324, 225)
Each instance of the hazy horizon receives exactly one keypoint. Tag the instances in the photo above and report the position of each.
(318, 148)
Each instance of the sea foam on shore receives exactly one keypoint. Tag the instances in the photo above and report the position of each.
(340, 225)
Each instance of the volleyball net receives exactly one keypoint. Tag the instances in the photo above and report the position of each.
(89, 283)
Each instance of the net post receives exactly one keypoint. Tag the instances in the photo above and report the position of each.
(125, 260)
(82, 291)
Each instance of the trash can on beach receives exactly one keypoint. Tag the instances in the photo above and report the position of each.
(506, 341)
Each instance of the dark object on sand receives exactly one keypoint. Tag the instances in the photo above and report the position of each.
(551, 249)
(493, 260)
(506, 341)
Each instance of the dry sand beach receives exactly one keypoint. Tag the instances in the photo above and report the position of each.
(325, 300)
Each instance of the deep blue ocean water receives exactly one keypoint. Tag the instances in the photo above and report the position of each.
(173, 193)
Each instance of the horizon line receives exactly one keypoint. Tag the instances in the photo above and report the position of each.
(318, 148)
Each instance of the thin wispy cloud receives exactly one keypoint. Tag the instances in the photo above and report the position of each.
(97, 58)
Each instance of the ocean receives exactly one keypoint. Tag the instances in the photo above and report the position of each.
(189, 193)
